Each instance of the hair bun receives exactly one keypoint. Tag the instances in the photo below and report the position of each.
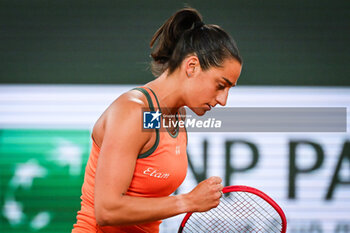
(185, 33)
(169, 34)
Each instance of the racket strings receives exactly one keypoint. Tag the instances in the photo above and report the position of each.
(266, 209)
(237, 212)
(257, 212)
(259, 216)
(246, 216)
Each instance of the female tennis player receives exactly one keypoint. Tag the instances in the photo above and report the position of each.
(131, 172)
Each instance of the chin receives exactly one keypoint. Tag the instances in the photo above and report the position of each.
(200, 114)
(199, 111)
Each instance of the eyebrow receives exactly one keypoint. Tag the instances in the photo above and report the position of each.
(229, 82)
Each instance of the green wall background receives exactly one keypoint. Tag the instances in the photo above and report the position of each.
(106, 42)
(41, 174)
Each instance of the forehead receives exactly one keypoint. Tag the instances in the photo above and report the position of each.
(230, 69)
(232, 65)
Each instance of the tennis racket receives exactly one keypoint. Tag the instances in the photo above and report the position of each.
(242, 209)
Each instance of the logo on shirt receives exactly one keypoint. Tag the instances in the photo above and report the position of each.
(177, 150)
(155, 173)
(151, 120)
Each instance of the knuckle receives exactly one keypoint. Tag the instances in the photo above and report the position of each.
(218, 180)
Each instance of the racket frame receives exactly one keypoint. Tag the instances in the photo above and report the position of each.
(242, 188)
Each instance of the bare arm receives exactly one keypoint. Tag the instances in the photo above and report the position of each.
(122, 142)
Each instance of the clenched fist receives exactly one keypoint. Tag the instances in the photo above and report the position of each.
(206, 195)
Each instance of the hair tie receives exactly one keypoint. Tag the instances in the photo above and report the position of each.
(161, 59)
(198, 24)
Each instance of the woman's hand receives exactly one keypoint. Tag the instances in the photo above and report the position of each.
(206, 195)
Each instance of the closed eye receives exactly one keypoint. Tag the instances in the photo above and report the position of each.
(221, 87)
(228, 82)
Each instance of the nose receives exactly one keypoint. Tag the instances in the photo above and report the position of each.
(221, 98)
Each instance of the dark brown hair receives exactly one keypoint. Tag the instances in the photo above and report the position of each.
(185, 33)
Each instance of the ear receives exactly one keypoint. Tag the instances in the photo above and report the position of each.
(192, 66)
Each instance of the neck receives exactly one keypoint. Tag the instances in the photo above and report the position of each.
(169, 92)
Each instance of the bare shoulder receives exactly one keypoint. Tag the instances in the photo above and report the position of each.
(125, 110)
(130, 100)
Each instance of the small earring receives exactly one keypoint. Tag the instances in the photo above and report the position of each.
(189, 75)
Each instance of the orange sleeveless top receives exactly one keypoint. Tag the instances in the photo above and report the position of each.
(158, 173)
